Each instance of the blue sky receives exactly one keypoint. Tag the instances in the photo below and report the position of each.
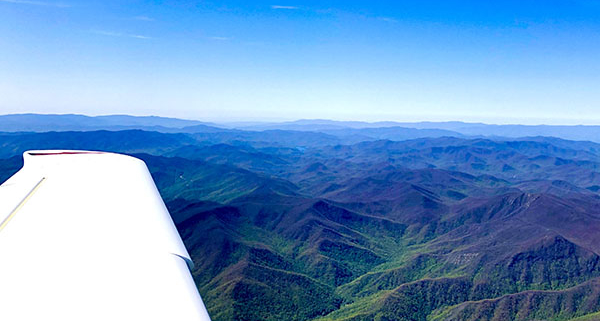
(493, 61)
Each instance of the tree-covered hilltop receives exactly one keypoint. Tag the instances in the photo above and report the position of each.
(426, 229)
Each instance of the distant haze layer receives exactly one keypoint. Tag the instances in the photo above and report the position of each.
(324, 131)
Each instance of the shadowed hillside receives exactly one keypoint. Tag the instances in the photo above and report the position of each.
(285, 225)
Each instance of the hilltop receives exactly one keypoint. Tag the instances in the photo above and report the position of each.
(291, 225)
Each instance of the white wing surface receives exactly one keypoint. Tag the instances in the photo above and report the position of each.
(86, 236)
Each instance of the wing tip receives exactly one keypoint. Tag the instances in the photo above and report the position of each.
(31, 154)
(60, 152)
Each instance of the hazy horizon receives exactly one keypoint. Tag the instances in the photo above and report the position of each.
(508, 62)
(266, 120)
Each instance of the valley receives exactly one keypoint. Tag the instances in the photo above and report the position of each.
(287, 226)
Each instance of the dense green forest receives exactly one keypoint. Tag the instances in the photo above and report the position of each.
(285, 226)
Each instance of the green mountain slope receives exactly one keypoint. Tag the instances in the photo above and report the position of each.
(426, 229)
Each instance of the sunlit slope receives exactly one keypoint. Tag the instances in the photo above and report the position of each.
(427, 229)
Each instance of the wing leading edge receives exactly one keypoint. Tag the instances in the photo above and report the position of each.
(86, 236)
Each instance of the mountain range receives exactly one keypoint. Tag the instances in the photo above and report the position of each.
(351, 222)
(345, 131)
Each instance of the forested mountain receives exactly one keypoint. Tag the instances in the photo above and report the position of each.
(319, 131)
(295, 225)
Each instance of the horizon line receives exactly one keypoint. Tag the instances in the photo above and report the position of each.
(266, 120)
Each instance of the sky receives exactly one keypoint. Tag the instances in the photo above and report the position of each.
(526, 61)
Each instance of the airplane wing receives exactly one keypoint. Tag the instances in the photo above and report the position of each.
(86, 236)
